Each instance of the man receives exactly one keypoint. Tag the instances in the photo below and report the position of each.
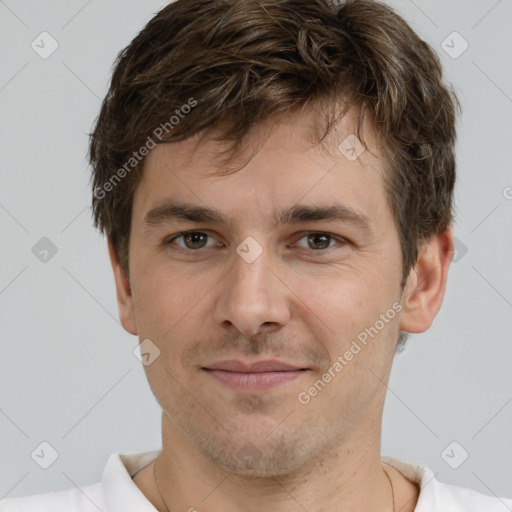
(275, 180)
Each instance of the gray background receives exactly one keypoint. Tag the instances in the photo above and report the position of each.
(68, 373)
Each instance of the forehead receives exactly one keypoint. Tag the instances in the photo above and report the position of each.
(304, 131)
(280, 164)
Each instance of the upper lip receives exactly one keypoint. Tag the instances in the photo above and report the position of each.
(268, 365)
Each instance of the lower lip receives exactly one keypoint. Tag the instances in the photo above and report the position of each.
(256, 381)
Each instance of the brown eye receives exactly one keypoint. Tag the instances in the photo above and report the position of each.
(192, 240)
(195, 240)
(317, 241)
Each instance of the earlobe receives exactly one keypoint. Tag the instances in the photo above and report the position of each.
(426, 283)
(124, 293)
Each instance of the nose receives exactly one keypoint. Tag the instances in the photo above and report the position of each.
(253, 297)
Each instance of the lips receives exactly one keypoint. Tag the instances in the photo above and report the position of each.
(270, 365)
(257, 376)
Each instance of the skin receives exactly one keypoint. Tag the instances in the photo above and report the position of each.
(296, 302)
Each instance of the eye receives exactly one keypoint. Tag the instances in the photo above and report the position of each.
(318, 241)
(196, 240)
(192, 240)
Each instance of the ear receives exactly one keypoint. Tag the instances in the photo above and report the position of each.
(124, 292)
(426, 283)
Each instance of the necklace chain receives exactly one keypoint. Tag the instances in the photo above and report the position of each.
(392, 490)
(158, 486)
(167, 508)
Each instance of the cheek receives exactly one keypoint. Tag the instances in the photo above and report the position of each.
(343, 302)
(347, 312)
(170, 305)
(158, 302)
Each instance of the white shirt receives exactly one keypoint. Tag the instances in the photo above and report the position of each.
(118, 493)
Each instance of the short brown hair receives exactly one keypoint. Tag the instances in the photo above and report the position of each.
(235, 63)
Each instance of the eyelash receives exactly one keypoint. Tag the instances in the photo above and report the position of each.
(169, 240)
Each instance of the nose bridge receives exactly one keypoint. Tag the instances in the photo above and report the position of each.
(251, 268)
(252, 294)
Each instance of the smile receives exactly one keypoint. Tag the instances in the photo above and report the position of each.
(259, 376)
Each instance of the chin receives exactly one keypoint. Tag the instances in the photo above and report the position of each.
(271, 456)
(251, 462)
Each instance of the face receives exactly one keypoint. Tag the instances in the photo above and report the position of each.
(276, 316)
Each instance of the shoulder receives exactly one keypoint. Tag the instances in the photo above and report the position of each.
(454, 498)
(115, 491)
(437, 496)
(84, 499)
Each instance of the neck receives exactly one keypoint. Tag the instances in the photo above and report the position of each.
(348, 478)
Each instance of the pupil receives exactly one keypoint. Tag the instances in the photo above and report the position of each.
(321, 241)
(194, 239)
(315, 237)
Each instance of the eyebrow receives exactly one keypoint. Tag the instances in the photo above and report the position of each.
(171, 211)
